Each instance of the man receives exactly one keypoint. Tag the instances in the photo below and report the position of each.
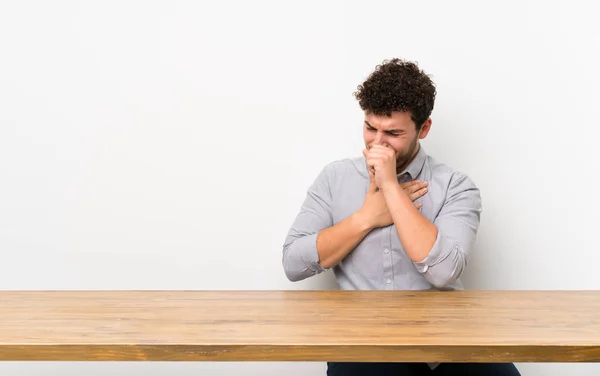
(394, 218)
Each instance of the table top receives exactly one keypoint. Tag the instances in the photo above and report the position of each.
(289, 325)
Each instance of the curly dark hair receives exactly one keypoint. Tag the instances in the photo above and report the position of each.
(398, 85)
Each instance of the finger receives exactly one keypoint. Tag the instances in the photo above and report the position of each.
(418, 205)
(419, 193)
(384, 145)
(417, 187)
(373, 163)
(385, 148)
(369, 159)
(414, 185)
(378, 149)
(409, 184)
(383, 155)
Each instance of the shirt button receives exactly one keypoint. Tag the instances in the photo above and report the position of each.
(389, 281)
(386, 251)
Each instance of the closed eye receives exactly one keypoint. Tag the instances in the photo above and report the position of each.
(393, 133)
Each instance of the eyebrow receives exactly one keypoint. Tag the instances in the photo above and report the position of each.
(388, 131)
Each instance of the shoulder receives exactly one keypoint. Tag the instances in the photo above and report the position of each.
(453, 180)
(341, 169)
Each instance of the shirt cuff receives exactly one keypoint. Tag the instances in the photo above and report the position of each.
(433, 256)
(309, 255)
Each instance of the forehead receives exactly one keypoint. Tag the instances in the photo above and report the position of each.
(398, 120)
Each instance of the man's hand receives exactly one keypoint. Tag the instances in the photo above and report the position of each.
(381, 161)
(374, 212)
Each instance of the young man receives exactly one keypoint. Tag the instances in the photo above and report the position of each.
(393, 219)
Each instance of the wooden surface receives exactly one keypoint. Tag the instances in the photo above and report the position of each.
(427, 326)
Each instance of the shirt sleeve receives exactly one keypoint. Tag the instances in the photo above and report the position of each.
(300, 257)
(457, 224)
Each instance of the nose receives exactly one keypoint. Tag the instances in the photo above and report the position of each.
(378, 140)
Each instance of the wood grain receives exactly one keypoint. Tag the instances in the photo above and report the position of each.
(420, 326)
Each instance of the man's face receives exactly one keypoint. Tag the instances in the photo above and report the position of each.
(398, 132)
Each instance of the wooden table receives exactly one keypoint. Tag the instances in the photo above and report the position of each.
(423, 326)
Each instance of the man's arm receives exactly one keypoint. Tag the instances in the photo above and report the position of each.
(440, 249)
(313, 243)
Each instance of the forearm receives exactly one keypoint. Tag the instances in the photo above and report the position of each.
(335, 242)
(416, 233)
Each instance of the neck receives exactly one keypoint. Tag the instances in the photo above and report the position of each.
(404, 164)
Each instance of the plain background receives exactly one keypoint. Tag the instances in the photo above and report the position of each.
(169, 144)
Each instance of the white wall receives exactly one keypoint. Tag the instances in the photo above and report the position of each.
(169, 144)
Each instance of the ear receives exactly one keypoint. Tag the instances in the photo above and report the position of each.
(425, 128)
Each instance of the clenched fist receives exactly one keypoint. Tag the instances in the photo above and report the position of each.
(381, 161)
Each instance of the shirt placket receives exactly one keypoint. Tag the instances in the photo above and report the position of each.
(388, 270)
(388, 261)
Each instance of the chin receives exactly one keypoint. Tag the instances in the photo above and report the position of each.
(401, 162)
